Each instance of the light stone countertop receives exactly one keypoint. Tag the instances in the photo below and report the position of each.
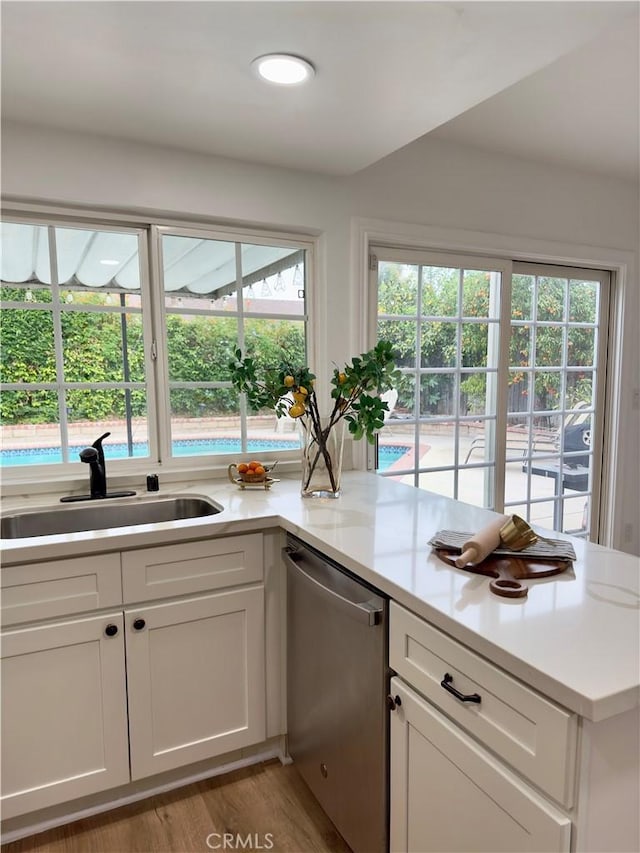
(575, 637)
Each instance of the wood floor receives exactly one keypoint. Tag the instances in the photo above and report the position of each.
(269, 802)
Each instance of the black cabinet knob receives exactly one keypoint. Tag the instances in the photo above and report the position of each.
(138, 624)
(393, 702)
(111, 630)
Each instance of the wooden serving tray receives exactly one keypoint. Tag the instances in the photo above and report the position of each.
(507, 573)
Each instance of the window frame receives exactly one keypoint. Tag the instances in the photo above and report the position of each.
(43, 478)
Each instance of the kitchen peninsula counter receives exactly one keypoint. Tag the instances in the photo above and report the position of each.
(575, 637)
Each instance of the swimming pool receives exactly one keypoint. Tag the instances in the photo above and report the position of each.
(387, 454)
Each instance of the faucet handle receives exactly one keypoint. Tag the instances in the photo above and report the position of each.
(89, 454)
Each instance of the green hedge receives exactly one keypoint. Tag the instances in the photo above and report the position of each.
(200, 349)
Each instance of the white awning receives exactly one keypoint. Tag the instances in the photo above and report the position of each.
(109, 259)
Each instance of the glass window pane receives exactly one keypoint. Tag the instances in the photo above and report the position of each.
(406, 395)
(395, 453)
(581, 345)
(196, 267)
(437, 445)
(473, 485)
(477, 442)
(438, 394)
(103, 296)
(548, 385)
(583, 301)
(519, 390)
(522, 287)
(94, 344)
(271, 341)
(30, 430)
(402, 335)
(475, 344)
(549, 346)
(207, 422)
(440, 287)
(25, 254)
(209, 411)
(440, 482)
(273, 279)
(27, 353)
(439, 344)
(476, 290)
(550, 298)
(97, 258)
(397, 288)
(520, 346)
(30, 292)
(580, 387)
(537, 436)
(204, 421)
(474, 399)
(122, 412)
(199, 347)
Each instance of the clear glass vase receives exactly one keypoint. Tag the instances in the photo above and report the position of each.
(321, 459)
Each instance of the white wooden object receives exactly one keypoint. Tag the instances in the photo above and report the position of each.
(196, 679)
(191, 567)
(59, 588)
(535, 736)
(450, 794)
(64, 721)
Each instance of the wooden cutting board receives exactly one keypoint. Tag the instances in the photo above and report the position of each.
(507, 573)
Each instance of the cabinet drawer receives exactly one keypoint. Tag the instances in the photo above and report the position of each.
(532, 734)
(210, 564)
(37, 591)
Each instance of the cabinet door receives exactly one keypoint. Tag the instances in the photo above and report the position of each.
(449, 794)
(196, 679)
(64, 712)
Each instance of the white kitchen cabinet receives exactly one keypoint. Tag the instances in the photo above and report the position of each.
(448, 794)
(84, 695)
(64, 717)
(467, 742)
(196, 677)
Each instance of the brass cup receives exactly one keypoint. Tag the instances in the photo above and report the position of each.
(516, 534)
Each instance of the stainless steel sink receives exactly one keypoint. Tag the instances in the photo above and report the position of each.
(101, 514)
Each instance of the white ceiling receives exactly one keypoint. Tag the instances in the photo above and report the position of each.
(546, 80)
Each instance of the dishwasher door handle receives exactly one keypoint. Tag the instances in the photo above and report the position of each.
(364, 611)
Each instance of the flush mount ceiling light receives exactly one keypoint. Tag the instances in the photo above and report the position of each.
(283, 69)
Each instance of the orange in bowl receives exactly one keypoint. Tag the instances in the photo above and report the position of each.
(250, 472)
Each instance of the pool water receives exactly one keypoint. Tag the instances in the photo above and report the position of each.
(387, 454)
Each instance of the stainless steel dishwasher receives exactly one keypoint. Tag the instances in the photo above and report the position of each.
(337, 684)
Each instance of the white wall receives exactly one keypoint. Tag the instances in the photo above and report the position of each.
(441, 187)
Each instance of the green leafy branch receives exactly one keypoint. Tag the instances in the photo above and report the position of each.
(290, 390)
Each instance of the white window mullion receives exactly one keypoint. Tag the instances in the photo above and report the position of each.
(58, 343)
(500, 307)
(156, 358)
(241, 343)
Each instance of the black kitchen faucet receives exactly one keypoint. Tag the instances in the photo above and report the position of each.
(94, 457)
